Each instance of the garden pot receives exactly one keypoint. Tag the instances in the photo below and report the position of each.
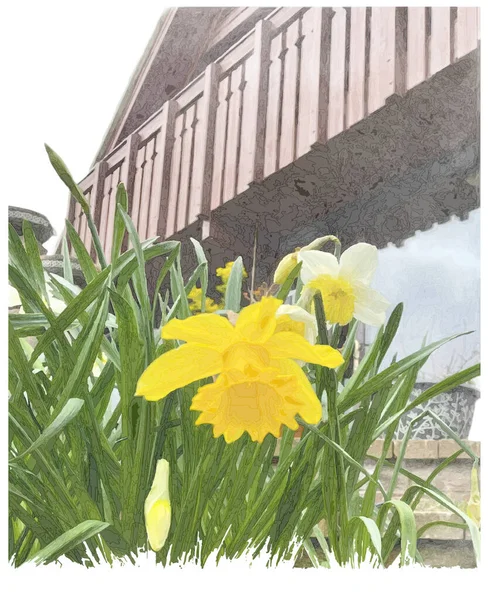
(455, 408)
(40, 224)
(53, 263)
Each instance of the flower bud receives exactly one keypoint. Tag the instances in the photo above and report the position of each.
(285, 267)
(157, 508)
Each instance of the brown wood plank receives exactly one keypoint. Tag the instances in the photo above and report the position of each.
(219, 143)
(440, 39)
(204, 143)
(162, 171)
(337, 73)
(112, 203)
(416, 60)
(233, 135)
(357, 66)
(314, 65)
(175, 177)
(466, 33)
(251, 163)
(273, 107)
(185, 174)
(381, 83)
(146, 189)
(289, 102)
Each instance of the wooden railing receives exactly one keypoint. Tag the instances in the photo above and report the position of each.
(301, 77)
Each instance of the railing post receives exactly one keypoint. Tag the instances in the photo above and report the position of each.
(95, 203)
(204, 147)
(252, 161)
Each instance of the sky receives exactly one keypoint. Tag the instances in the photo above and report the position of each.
(68, 67)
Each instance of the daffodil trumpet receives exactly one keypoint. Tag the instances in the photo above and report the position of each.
(259, 385)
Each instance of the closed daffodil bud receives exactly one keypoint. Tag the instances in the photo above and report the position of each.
(157, 508)
(474, 502)
(285, 267)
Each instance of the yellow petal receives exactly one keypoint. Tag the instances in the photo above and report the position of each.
(256, 323)
(157, 508)
(287, 344)
(211, 330)
(177, 368)
(303, 395)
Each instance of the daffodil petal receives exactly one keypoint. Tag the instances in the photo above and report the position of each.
(299, 314)
(256, 323)
(208, 329)
(177, 368)
(315, 263)
(369, 306)
(359, 263)
(287, 344)
(308, 405)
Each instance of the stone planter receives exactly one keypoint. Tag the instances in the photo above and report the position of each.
(40, 224)
(53, 263)
(455, 408)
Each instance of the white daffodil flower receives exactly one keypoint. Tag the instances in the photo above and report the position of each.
(157, 508)
(294, 318)
(345, 284)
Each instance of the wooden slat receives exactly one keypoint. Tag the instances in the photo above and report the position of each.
(335, 122)
(416, 60)
(357, 66)
(466, 31)
(105, 202)
(96, 202)
(290, 85)
(233, 134)
(146, 188)
(112, 203)
(219, 144)
(381, 83)
(314, 75)
(161, 178)
(185, 173)
(175, 177)
(128, 175)
(204, 143)
(273, 108)
(440, 39)
(137, 187)
(254, 108)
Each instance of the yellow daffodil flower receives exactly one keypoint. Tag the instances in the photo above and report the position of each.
(253, 358)
(157, 508)
(224, 273)
(345, 284)
(285, 267)
(195, 297)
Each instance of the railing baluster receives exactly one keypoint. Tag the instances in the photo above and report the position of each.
(466, 31)
(233, 134)
(161, 176)
(185, 174)
(273, 106)
(357, 66)
(251, 166)
(416, 64)
(382, 57)
(203, 153)
(314, 76)
(337, 73)
(440, 39)
(175, 177)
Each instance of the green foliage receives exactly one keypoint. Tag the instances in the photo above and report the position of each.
(83, 448)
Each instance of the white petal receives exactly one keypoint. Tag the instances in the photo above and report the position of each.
(315, 263)
(302, 316)
(370, 306)
(358, 263)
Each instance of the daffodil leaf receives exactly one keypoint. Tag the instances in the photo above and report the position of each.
(233, 291)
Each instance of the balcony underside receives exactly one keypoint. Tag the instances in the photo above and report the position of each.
(400, 170)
